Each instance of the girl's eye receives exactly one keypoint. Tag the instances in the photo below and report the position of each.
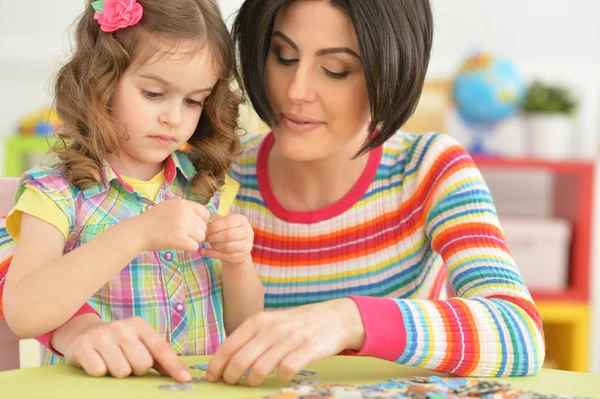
(193, 103)
(151, 95)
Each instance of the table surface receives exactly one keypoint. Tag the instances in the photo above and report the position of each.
(63, 381)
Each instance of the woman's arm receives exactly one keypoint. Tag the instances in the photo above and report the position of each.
(491, 327)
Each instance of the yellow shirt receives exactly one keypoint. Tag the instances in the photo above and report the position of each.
(38, 204)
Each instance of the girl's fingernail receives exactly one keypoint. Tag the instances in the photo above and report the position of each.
(185, 374)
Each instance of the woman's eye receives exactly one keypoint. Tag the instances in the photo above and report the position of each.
(336, 75)
(286, 61)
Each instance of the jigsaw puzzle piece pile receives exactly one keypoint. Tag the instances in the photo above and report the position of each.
(411, 388)
(306, 386)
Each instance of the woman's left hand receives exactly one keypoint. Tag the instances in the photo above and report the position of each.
(286, 341)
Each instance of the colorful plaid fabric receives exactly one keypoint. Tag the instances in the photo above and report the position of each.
(418, 218)
(179, 294)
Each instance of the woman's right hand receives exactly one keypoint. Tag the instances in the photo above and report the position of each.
(174, 224)
(286, 341)
(119, 348)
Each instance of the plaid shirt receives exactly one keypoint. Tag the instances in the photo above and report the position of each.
(179, 294)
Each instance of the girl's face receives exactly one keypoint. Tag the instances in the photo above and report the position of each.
(316, 83)
(157, 105)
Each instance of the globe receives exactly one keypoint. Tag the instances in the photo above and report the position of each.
(486, 91)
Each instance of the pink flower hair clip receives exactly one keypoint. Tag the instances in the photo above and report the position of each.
(116, 14)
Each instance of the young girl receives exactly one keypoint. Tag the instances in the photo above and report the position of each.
(119, 221)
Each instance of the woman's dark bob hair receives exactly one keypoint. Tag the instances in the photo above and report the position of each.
(394, 37)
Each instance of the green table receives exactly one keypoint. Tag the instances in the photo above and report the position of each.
(63, 381)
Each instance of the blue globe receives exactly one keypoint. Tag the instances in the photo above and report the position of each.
(487, 90)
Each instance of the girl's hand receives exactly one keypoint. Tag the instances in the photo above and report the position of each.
(231, 239)
(174, 224)
(121, 348)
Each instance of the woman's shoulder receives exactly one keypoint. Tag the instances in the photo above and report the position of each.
(246, 162)
(419, 148)
(251, 144)
(417, 156)
(402, 140)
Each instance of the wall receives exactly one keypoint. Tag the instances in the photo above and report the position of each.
(34, 40)
(553, 39)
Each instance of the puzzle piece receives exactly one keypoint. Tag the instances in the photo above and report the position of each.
(204, 367)
(306, 373)
(456, 383)
(175, 387)
(307, 381)
(384, 385)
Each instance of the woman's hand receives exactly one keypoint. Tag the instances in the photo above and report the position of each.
(287, 341)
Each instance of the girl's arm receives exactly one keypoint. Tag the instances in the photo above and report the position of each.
(44, 288)
(231, 239)
(243, 294)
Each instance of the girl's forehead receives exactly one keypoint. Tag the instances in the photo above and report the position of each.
(185, 72)
(173, 52)
(152, 48)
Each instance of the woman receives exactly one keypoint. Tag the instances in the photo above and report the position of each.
(359, 227)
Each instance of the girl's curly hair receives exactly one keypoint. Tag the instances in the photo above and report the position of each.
(85, 85)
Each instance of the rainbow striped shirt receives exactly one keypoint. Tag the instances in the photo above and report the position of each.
(419, 220)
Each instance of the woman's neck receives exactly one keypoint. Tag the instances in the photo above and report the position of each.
(312, 185)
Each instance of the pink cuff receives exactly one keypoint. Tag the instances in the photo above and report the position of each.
(47, 338)
(384, 328)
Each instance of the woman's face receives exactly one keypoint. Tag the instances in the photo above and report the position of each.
(316, 83)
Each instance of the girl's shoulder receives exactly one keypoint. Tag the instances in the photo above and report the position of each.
(48, 179)
(51, 182)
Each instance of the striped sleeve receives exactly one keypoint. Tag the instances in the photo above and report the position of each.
(491, 327)
(7, 250)
(249, 148)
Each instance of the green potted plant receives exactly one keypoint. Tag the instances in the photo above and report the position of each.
(548, 109)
